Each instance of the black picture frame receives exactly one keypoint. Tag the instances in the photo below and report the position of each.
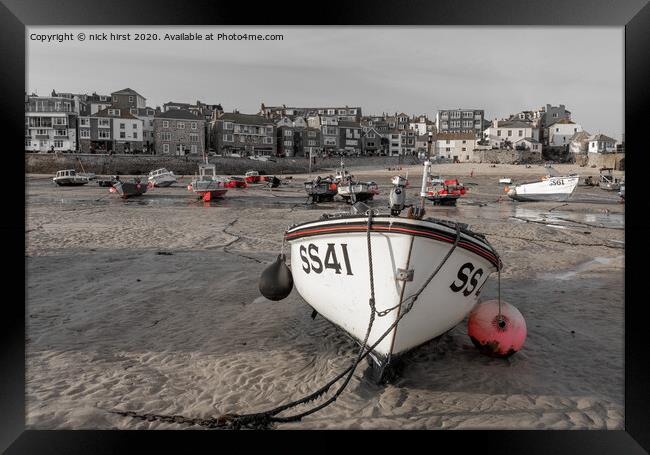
(634, 15)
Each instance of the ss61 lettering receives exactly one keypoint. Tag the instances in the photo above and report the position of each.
(464, 275)
(311, 261)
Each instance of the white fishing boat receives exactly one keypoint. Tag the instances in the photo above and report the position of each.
(549, 188)
(207, 185)
(69, 177)
(505, 181)
(427, 272)
(357, 191)
(161, 177)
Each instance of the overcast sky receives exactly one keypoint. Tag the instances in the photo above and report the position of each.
(417, 70)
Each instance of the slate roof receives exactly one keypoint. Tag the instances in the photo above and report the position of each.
(246, 118)
(180, 114)
(601, 138)
(124, 113)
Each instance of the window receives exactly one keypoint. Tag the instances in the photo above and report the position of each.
(104, 134)
(133, 111)
(104, 123)
(521, 133)
(122, 135)
(269, 131)
(165, 123)
(447, 149)
(193, 148)
(557, 130)
(130, 99)
(122, 126)
(134, 125)
(193, 125)
(467, 157)
(60, 133)
(41, 132)
(311, 134)
(59, 121)
(115, 112)
(288, 133)
(180, 125)
(28, 142)
(165, 148)
(498, 132)
(58, 144)
(464, 149)
(447, 141)
(228, 138)
(194, 137)
(331, 111)
(353, 111)
(509, 132)
(151, 123)
(288, 143)
(84, 121)
(135, 135)
(311, 143)
(464, 141)
(166, 136)
(115, 99)
(268, 140)
(84, 133)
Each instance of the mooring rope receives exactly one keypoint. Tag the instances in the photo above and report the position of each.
(263, 420)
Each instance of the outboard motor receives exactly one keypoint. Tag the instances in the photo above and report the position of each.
(397, 199)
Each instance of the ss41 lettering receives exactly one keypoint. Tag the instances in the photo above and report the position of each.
(466, 280)
(311, 259)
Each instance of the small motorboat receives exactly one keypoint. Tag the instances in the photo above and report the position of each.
(505, 181)
(608, 181)
(69, 177)
(558, 189)
(207, 185)
(253, 177)
(161, 177)
(129, 189)
(236, 182)
(441, 191)
(321, 189)
(353, 191)
(427, 274)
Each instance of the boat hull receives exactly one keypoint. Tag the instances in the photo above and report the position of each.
(330, 267)
(322, 191)
(71, 181)
(130, 189)
(163, 182)
(558, 189)
(358, 191)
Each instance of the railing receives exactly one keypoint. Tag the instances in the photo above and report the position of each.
(30, 108)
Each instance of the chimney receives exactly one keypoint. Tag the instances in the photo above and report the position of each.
(495, 123)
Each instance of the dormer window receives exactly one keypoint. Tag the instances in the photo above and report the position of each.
(133, 111)
(130, 99)
(115, 112)
(115, 99)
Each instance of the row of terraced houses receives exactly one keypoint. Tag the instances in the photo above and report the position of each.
(123, 123)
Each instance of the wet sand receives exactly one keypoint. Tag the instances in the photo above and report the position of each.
(114, 324)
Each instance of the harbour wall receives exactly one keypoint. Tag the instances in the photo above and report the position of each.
(613, 160)
(37, 163)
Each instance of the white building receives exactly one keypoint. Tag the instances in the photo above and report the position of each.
(599, 143)
(560, 133)
(394, 142)
(456, 146)
(419, 124)
(509, 130)
(50, 124)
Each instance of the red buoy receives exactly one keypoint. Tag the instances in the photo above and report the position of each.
(493, 334)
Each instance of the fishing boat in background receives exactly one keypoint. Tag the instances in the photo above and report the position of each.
(557, 189)
(321, 189)
(207, 185)
(353, 191)
(505, 181)
(439, 190)
(129, 189)
(252, 177)
(161, 177)
(69, 177)
(621, 191)
(607, 180)
(443, 263)
(108, 182)
(236, 182)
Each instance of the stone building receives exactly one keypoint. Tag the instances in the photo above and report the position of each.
(110, 130)
(243, 134)
(178, 132)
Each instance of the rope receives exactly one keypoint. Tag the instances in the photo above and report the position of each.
(262, 420)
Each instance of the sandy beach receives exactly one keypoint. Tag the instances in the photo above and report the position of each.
(151, 305)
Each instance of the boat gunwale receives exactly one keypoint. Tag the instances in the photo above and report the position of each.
(432, 230)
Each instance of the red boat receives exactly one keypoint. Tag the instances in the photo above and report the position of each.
(445, 192)
(236, 182)
(253, 177)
